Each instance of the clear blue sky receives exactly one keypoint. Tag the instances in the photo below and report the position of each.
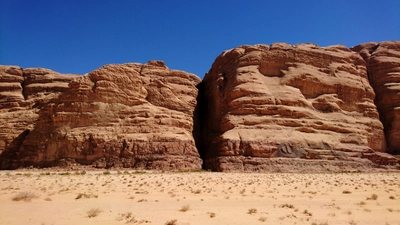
(71, 36)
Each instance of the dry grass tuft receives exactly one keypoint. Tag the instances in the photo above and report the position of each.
(211, 214)
(93, 212)
(306, 212)
(185, 208)
(290, 206)
(24, 196)
(84, 195)
(373, 197)
(172, 222)
(252, 211)
(352, 222)
(262, 219)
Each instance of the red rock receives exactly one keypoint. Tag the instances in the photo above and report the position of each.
(259, 108)
(129, 115)
(298, 101)
(383, 62)
(22, 93)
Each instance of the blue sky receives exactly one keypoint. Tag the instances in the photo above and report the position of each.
(79, 36)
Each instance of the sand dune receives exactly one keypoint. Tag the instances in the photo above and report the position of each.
(134, 197)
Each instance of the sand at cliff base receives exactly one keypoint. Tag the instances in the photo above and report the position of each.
(133, 197)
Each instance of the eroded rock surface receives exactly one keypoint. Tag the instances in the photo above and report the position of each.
(298, 101)
(22, 93)
(129, 115)
(383, 60)
(259, 108)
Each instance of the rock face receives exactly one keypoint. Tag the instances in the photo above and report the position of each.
(298, 101)
(22, 93)
(129, 115)
(259, 108)
(383, 60)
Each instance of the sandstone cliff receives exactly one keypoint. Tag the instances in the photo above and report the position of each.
(298, 101)
(259, 108)
(383, 62)
(22, 93)
(128, 115)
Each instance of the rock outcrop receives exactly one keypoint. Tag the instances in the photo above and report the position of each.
(383, 62)
(22, 93)
(129, 115)
(259, 108)
(298, 101)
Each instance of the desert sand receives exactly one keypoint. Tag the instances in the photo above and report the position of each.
(150, 197)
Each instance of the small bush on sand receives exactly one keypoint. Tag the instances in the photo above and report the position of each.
(172, 222)
(252, 211)
(93, 212)
(262, 219)
(373, 197)
(24, 196)
(185, 208)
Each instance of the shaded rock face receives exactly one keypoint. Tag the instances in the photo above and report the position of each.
(383, 60)
(298, 101)
(129, 115)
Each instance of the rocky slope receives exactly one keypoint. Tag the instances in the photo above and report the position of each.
(259, 108)
(128, 115)
(383, 62)
(298, 101)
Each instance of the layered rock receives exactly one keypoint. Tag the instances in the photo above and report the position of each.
(129, 115)
(22, 93)
(258, 108)
(298, 101)
(383, 60)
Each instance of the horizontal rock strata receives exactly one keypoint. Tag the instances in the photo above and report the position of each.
(129, 115)
(22, 93)
(259, 108)
(383, 60)
(298, 101)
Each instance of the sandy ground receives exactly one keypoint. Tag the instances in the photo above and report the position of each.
(132, 197)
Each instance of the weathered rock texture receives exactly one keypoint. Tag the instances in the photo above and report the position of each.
(22, 93)
(260, 107)
(298, 101)
(129, 115)
(383, 62)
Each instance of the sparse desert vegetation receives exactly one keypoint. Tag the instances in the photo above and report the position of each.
(93, 212)
(151, 197)
(24, 196)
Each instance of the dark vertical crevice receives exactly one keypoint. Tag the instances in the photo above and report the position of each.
(23, 84)
(366, 55)
(199, 122)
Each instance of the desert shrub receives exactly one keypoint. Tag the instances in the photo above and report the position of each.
(252, 211)
(172, 222)
(185, 208)
(24, 196)
(262, 219)
(93, 212)
(373, 197)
